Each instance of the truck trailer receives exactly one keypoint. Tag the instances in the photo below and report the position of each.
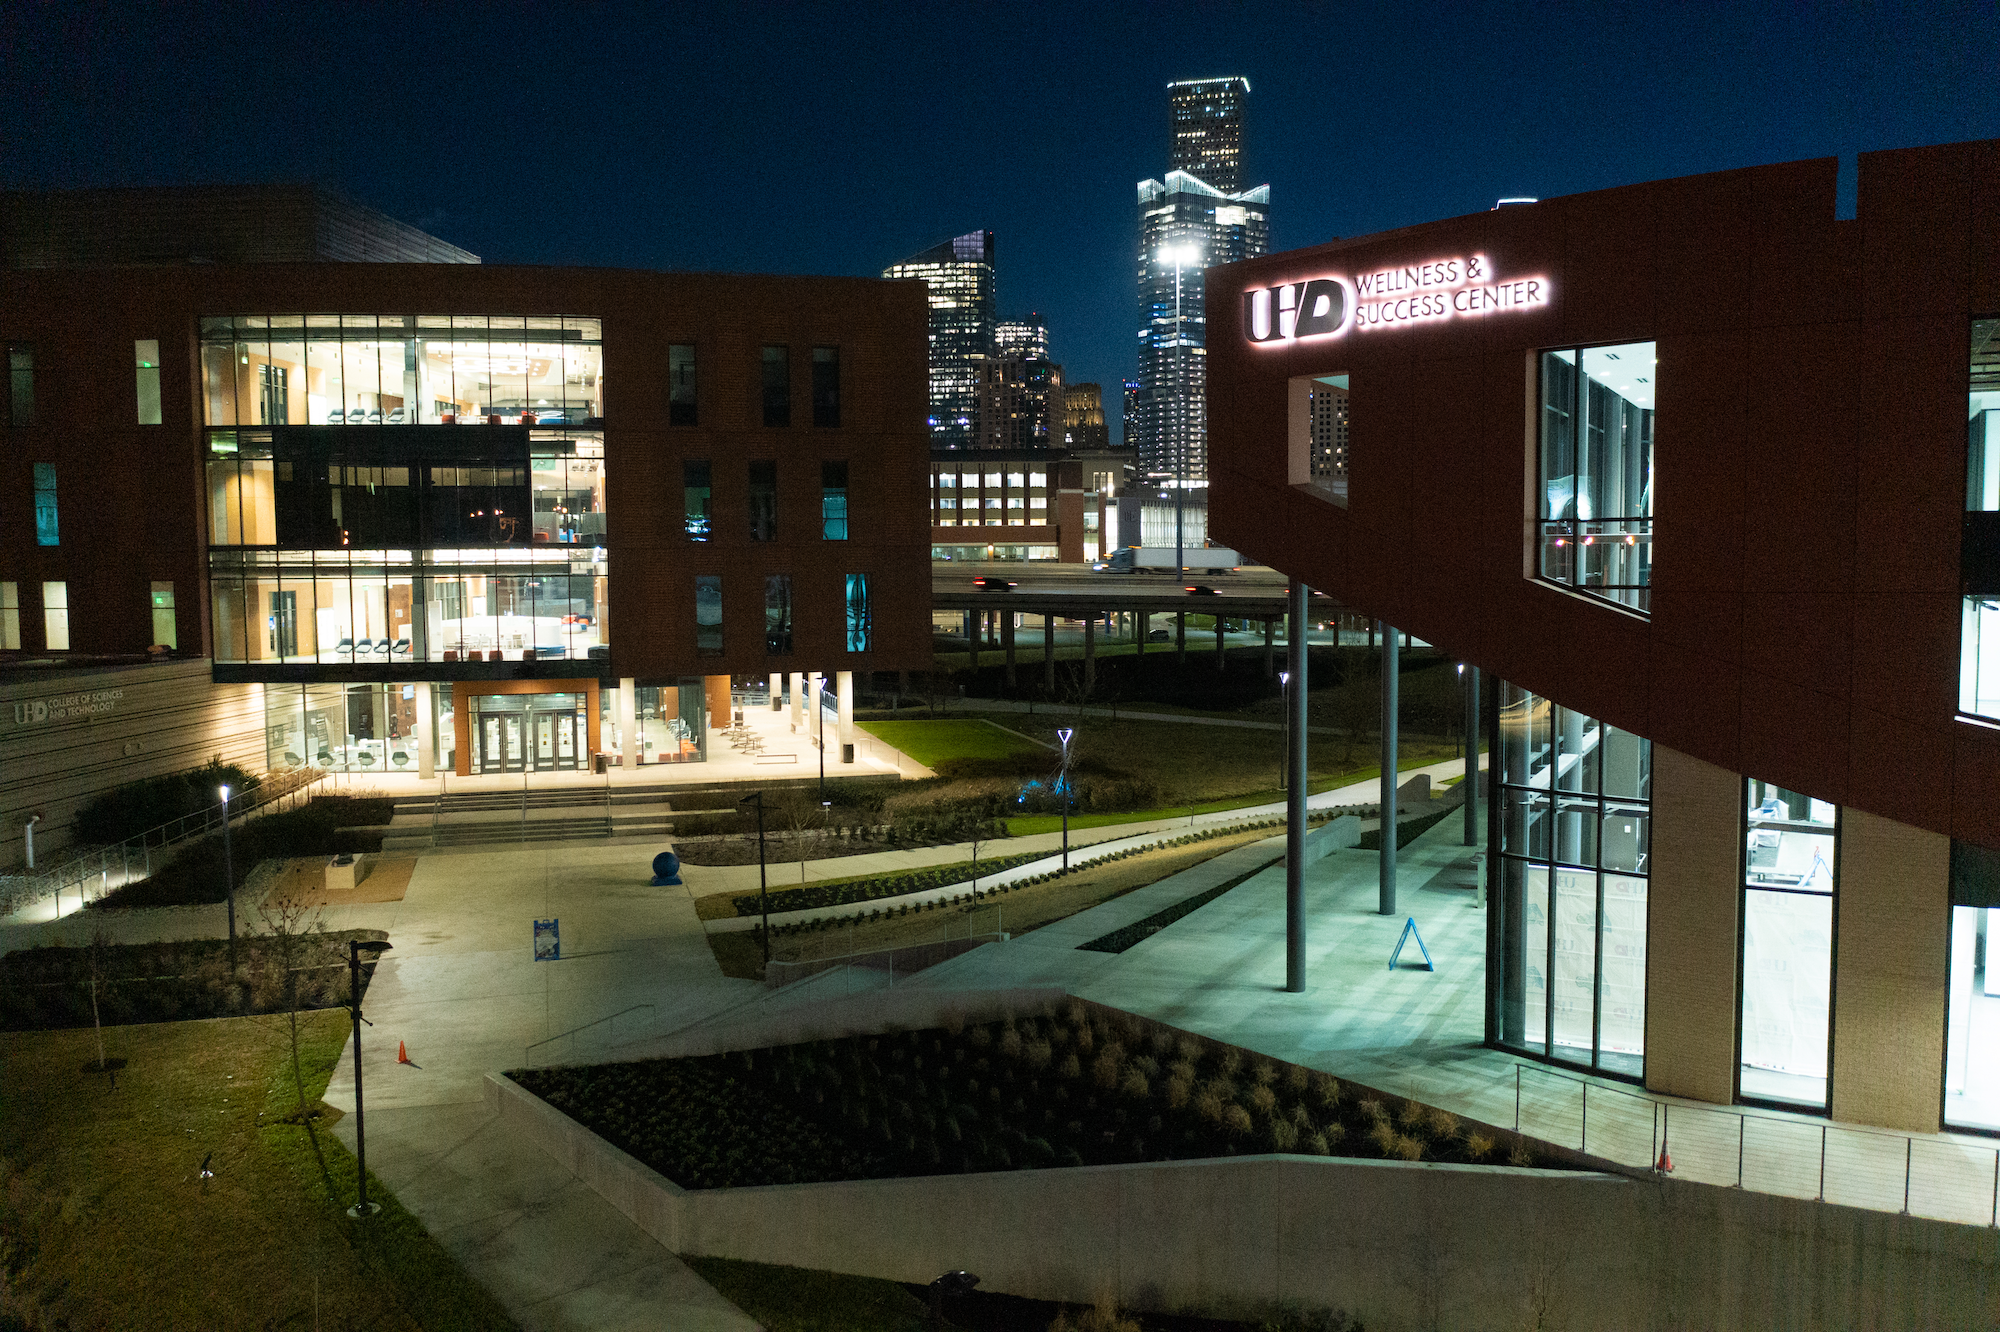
(1160, 559)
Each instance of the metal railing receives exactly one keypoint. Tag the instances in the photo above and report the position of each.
(610, 1036)
(90, 874)
(1936, 1177)
(905, 960)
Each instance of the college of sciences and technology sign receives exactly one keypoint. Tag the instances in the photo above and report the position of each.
(1457, 287)
(66, 707)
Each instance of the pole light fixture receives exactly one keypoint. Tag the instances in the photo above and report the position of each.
(1284, 698)
(763, 895)
(362, 1208)
(229, 875)
(1062, 781)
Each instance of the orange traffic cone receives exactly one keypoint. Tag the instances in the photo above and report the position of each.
(1666, 1163)
(403, 1056)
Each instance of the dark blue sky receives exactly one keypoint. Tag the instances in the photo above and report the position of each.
(837, 139)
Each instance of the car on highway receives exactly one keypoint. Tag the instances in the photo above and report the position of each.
(988, 583)
(1159, 636)
(1201, 590)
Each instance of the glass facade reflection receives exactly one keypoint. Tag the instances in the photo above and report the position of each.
(1790, 855)
(1979, 561)
(1597, 471)
(1575, 813)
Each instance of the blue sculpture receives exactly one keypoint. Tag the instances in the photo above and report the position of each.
(666, 870)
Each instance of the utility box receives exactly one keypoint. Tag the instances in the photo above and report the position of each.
(345, 871)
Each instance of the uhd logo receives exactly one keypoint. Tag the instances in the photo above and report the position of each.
(1296, 310)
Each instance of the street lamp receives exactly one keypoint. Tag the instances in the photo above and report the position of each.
(763, 899)
(229, 875)
(1062, 784)
(355, 947)
(819, 706)
(1284, 710)
(1179, 256)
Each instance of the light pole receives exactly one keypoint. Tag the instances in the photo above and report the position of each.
(1062, 782)
(1178, 256)
(763, 898)
(229, 875)
(819, 706)
(1284, 710)
(362, 1208)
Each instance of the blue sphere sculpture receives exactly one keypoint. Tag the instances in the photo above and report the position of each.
(666, 870)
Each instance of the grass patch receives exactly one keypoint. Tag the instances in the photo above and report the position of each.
(933, 742)
(111, 1226)
(799, 1299)
(1079, 1085)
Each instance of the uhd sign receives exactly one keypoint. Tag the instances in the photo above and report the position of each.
(1457, 287)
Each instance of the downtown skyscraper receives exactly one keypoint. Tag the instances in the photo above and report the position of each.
(959, 273)
(1198, 216)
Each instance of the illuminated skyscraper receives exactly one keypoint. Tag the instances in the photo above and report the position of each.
(1026, 338)
(1186, 223)
(959, 273)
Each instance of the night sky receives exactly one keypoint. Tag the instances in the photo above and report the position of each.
(838, 139)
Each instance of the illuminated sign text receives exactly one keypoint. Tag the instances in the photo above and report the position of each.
(1456, 287)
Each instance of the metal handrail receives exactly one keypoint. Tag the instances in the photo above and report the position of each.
(1660, 1114)
(527, 1051)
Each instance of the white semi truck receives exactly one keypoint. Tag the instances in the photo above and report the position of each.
(1160, 559)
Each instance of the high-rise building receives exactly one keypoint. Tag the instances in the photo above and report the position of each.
(1186, 223)
(1026, 338)
(959, 273)
(1083, 417)
(1208, 130)
(1134, 406)
(1020, 403)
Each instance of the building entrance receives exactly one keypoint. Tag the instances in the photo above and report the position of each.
(528, 733)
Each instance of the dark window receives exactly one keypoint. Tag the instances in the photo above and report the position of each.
(777, 614)
(826, 386)
(697, 495)
(708, 615)
(833, 500)
(21, 385)
(763, 501)
(681, 385)
(47, 532)
(777, 386)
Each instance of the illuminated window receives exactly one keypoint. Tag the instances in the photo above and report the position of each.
(1790, 886)
(1596, 489)
(47, 527)
(859, 623)
(1979, 552)
(166, 632)
(55, 616)
(146, 355)
(10, 616)
(833, 500)
(697, 494)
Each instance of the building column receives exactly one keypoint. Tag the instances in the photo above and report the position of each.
(798, 699)
(628, 723)
(716, 688)
(1890, 970)
(1269, 665)
(1220, 649)
(1296, 789)
(1386, 864)
(777, 692)
(843, 681)
(1471, 755)
(426, 732)
(975, 629)
(1007, 643)
(1090, 651)
(1693, 903)
(1180, 638)
(1141, 620)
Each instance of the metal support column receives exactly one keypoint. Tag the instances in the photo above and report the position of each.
(1270, 667)
(1180, 638)
(1390, 665)
(1142, 620)
(1221, 660)
(1007, 643)
(1471, 755)
(975, 628)
(1049, 652)
(1296, 789)
(1090, 651)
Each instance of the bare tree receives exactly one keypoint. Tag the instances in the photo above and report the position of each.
(100, 940)
(298, 942)
(804, 827)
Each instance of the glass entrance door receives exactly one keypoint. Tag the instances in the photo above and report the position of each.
(499, 742)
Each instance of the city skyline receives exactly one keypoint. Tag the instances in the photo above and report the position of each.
(896, 130)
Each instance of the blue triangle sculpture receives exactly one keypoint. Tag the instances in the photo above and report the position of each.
(1409, 933)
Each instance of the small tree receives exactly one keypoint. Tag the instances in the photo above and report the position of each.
(99, 942)
(297, 942)
(804, 828)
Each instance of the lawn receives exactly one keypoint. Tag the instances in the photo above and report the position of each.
(110, 1224)
(933, 742)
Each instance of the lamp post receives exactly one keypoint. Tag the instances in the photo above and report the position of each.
(1062, 781)
(1284, 710)
(763, 898)
(819, 706)
(1178, 256)
(362, 1208)
(229, 875)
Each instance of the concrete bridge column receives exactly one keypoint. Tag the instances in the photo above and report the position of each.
(1090, 651)
(1269, 665)
(1049, 653)
(1007, 643)
(1180, 638)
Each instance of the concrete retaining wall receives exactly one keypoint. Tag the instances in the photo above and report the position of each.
(1401, 1245)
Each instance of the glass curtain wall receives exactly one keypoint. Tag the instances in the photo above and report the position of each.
(1597, 471)
(1790, 855)
(346, 727)
(1979, 662)
(1972, 1031)
(1575, 840)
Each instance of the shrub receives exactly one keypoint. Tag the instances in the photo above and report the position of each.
(1135, 1085)
(1324, 1090)
(1520, 1156)
(1283, 1136)
(128, 810)
(1236, 1121)
(1478, 1146)
(1315, 1144)
(1178, 1090)
(1109, 1064)
(1070, 1068)
(1441, 1124)
(1263, 1100)
(1209, 1108)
